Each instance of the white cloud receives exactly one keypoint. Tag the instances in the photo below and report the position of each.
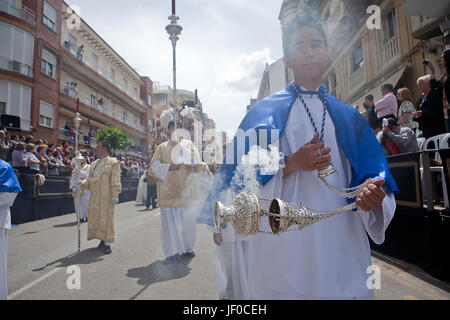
(222, 50)
(244, 74)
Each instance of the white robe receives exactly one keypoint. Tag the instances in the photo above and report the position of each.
(178, 225)
(6, 202)
(141, 196)
(329, 259)
(231, 265)
(84, 198)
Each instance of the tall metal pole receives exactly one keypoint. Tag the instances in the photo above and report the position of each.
(78, 163)
(174, 30)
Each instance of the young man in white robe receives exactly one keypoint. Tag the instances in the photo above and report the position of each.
(329, 259)
(174, 189)
(9, 188)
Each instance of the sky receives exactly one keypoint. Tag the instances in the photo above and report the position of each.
(222, 51)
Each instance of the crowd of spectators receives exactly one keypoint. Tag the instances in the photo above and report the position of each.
(29, 155)
(398, 122)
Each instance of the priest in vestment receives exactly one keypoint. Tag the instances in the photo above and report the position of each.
(9, 188)
(173, 164)
(104, 187)
(330, 259)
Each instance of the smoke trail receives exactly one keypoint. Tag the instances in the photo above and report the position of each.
(258, 160)
(167, 116)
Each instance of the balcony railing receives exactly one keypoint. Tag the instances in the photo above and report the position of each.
(22, 12)
(357, 79)
(95, 104)
(16, 66)
(390, 51)
(83, 140)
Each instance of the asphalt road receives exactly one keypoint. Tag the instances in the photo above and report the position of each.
(43, 263)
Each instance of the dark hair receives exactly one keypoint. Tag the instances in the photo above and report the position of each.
(298, 23)
(393, 122)
(171, 125)
(20, 146)
(388, 87)
(106, 145)
(369, 97)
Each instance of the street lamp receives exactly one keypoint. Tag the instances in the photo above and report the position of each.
(174, 30)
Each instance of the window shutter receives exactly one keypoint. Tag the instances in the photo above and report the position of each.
(49, 57)
(50, 12)
(46, 109)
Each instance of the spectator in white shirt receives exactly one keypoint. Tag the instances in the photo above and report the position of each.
(387, 106)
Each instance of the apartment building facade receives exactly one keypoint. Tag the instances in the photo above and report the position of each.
(364, 59)
(49, 59)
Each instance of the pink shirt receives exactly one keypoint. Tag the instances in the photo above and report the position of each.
(386, 106)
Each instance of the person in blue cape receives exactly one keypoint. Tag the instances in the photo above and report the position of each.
(9, 188)
(330, 259)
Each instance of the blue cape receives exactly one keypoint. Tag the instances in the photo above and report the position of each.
(8, 179)
(353, 132)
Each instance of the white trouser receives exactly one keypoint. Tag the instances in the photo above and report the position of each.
(3, 263)
(178, 228)
(84, 201)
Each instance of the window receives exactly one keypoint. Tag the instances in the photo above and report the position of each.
(16, 49)
(357, 58)
(48, 64)
(94, 100)
(112, 75)
(50, 16)
(149, 99)
(124, 116)
(94, 61)
(135, 92)
(391, 24)
(2, 107)
(46, 114)
(125, 85)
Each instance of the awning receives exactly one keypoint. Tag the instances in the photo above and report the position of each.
(376, 92)
(429, 8)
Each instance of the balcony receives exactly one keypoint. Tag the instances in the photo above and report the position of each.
(390, 51)
(22, 12)
(357, 79)
(16, 66)
(72, 49)
(97, 104)
(83, 140)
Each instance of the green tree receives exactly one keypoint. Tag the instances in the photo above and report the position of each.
(115, 137)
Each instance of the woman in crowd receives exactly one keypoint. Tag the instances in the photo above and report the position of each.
(19, 158)
(32, 161)
(44, 165)
(67, 162)
(406, 109)
(430, 113)
(55, 160)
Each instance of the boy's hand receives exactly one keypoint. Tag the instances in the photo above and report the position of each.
(372, 196)
(312, 156)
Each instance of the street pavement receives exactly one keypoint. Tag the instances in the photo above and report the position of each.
(43, 261)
